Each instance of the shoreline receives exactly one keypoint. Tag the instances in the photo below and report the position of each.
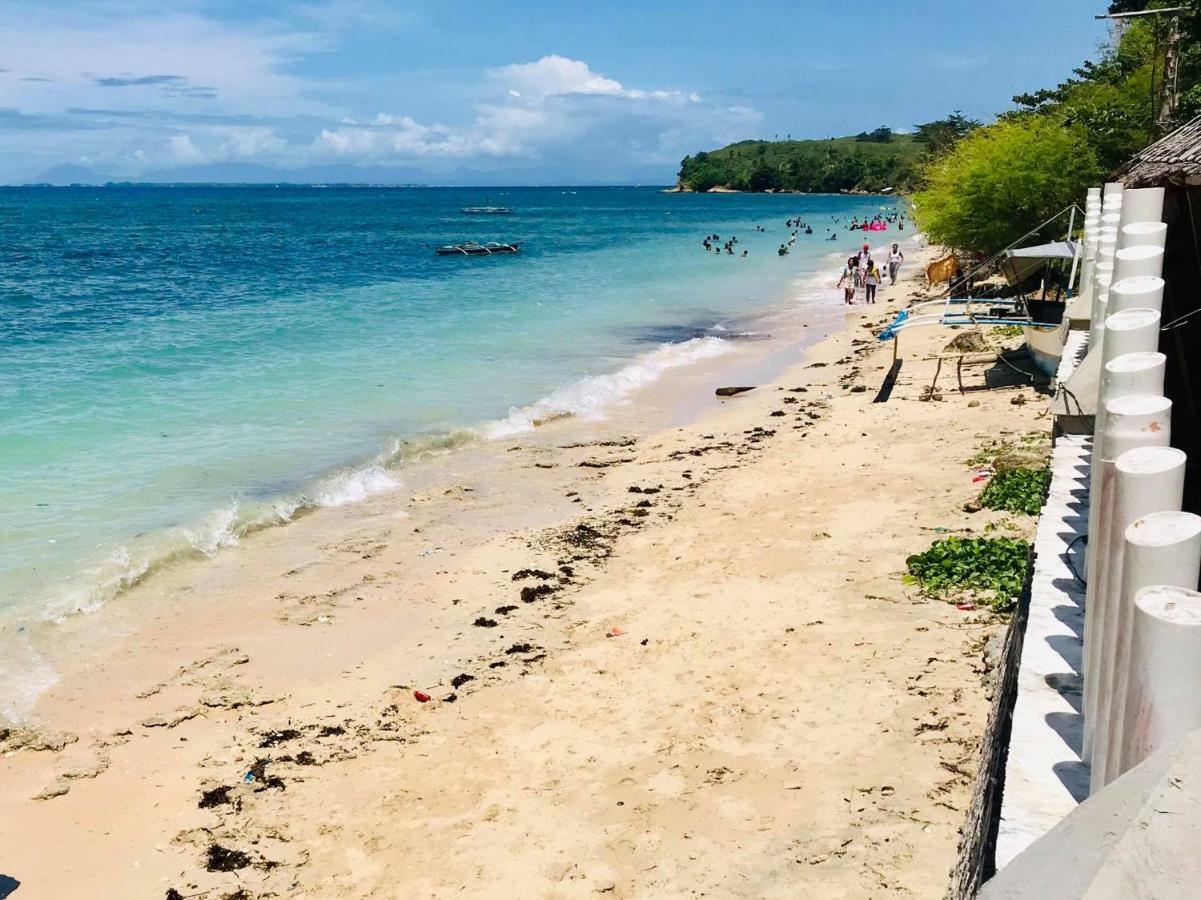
(420, 456)
(371, 597)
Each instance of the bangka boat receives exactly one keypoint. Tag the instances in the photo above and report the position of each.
(486, 210)
(1040, 314)
(474, 248)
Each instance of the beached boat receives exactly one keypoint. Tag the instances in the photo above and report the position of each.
(486, 210)
(474, 248)
(1040, 313)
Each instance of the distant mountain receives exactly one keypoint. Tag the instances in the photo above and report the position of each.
(341, 173)
(867, 162)
(70, 174)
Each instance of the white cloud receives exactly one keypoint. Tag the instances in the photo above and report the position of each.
(558, 76)
(184, 151)
(134, 90)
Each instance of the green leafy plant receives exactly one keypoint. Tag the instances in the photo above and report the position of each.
(1004, 180)
(1018, 490)
(1008, 330)
(995, 566)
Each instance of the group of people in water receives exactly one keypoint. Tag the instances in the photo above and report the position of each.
(798, 226)
(711, 240)
(878, 222)
(862, 273)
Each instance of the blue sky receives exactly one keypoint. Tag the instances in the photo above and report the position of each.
(440, 91)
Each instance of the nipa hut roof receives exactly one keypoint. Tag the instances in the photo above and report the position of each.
(1174, 159)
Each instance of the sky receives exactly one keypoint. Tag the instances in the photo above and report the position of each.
(532, 92)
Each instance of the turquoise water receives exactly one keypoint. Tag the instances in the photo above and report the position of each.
(178, 365)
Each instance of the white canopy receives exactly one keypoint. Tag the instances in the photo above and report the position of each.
(1053, 250)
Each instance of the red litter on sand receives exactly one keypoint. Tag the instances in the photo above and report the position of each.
(421, 696)
(615, 631)
(965, 607)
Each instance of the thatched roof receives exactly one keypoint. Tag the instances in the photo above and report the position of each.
(1175, 159)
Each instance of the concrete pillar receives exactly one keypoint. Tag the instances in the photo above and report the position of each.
(1162, 548)
(1144, 291)
(1140, 480)
(1132, 261)
(1162, 701)
(1143, 234)
(1142, 205)
(1112, 192)
(1102, 279)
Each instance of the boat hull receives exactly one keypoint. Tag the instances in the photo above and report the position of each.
(1045, 343)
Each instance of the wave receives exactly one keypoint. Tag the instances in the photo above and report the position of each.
(128, 564)
(590, 397)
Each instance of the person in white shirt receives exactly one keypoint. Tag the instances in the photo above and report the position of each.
(895, 258)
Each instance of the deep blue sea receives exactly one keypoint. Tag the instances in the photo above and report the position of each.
(178, 364)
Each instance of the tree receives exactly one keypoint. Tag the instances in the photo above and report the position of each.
(881, 135)
(1003, 181)
(764, 178)
(941, 135)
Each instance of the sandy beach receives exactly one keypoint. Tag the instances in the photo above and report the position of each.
(669, 654)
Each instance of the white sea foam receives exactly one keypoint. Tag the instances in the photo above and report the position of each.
(24, 675)
(355, 485)
(590, 397)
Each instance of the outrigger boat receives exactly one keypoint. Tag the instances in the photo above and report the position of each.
(474, 248)
(1042, 320)
(486, 210)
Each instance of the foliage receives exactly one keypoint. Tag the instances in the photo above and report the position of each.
(1018, 490)
(881, 135)
(867, 163)
(1004, 180)
(1031, 451)
(1008, 330)
(996, 565)
(941, 135)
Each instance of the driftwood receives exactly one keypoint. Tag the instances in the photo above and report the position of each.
(732, 391)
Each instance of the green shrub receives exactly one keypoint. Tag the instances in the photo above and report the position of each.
(1004, 180)
(1018, 490)
(988, 565)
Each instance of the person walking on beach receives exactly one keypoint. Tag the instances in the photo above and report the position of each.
(872, 280)
(850, 275)
(865, 256)
(895, 258)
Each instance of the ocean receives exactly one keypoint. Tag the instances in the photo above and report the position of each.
(181, 365)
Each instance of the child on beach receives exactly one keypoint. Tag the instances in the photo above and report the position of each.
(872, 280)
(850, 275)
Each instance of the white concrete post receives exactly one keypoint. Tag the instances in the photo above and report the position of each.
(1135, 421)
(1131, 261)
(1102, 279)
(1138, 234)
(1142, 205)
(1144, 291)
(1142, 480)
(1162, 700)
(1129, 366)
(1162, 548)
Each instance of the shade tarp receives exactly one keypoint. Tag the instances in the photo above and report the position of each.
(1053, 250)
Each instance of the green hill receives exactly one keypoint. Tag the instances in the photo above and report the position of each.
(868, 162)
